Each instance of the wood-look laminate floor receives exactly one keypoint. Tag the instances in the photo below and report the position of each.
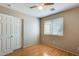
(40, 50)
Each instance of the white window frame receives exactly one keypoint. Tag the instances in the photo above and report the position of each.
(49, 28)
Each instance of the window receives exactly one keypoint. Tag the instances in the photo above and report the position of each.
(54, 26)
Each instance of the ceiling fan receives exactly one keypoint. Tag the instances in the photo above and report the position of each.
(41, 6)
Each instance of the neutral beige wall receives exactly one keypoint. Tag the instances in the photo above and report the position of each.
(31, 26)
(70, 40)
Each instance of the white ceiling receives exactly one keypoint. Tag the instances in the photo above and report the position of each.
(25, 8)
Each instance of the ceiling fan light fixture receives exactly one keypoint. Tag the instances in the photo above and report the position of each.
(40, 7)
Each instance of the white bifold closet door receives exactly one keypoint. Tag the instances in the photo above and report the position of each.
(10, 33)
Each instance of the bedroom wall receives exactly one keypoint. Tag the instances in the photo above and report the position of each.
(30, 26)
(31, 31)
(70, 40)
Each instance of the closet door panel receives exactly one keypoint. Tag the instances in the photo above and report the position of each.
(8, 44)
(4, 26)
(15, 28)
(12, 44)
(3, 33)
(8, 33)
(13, 40)
(18, 33)
(4, 46)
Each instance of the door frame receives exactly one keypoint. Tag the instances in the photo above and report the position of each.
(22, 33)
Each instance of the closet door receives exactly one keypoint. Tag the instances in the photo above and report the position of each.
(4, 33)
(17, 32)
(10, 33)
(12, 39)
(1, 34)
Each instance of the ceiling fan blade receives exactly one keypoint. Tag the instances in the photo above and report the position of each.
(44, 4)
(33, 7)
(48, 3)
